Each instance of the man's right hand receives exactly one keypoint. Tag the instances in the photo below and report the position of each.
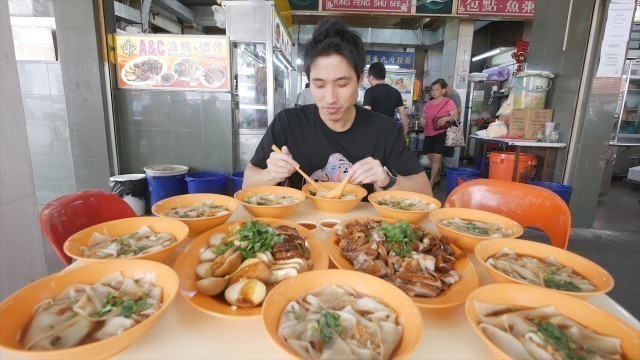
(281, 165)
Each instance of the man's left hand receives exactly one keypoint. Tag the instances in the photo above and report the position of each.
(369, 171)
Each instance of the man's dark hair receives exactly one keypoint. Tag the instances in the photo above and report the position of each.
(378, 71)
(333, 37)
(443, 84)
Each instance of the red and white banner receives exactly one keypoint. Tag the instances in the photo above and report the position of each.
(370, 6)
(510, 8)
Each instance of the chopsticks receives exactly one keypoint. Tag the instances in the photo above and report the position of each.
(304, 175)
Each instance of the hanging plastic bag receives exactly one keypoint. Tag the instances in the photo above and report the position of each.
(507, 106)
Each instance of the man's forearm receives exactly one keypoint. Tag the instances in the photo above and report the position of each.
(255, 176)
(417, 183)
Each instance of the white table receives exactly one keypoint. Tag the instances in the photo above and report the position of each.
(183, 332)
(519, 144)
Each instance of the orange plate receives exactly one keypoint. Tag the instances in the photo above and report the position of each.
(527, 296)
(278, 211)
(199, 225)
(600, 278)
(453, 296)
(364, 284)
(414, 217)
(73, 245)
(190, 257)
(336, 206)
(15, 311)
(467, 242)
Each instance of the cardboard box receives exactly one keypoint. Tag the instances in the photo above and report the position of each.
(526, 122)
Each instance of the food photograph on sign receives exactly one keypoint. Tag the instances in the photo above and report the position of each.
(173, 63)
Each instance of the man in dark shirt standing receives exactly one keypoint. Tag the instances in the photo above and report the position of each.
(382, 97)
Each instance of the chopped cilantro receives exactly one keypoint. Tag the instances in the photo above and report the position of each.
(329, 320)
(258, 237)
(400, 235)
(551, 281)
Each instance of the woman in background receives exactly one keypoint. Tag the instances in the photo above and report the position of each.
(438, 114)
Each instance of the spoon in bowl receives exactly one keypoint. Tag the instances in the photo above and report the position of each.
(304, 175)
(336, 193)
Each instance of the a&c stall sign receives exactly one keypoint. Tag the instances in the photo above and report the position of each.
(370, 6)
(391, 59)
(173, 62)
(507, 8)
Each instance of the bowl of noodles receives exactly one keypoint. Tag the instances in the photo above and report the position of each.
(350, 198)
(200, 212)
(403, 205)
(355, 315)
(529, 322)
(468, 227)
(29, 330)
(144, 237)
(270, 201)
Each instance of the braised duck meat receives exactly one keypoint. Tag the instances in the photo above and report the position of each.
(416, 261)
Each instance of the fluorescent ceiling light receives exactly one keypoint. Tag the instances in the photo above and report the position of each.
(392, 67)
(493, 52)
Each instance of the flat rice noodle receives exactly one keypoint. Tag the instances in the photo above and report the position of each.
(145, 231)
(390, 335)
(98, 238)
(604, 345)
(376, 310)
(114, 326)
(506, 342)
(85, 306)
(337, 349)
(304, 349)
(51, 321)
(114, 280)
(331, 297)
(536, 351)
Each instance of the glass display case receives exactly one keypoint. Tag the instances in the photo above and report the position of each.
(261, 70)
(251, 82)
(627, 125)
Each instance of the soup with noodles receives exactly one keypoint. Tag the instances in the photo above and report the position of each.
(476, 228)
(323, 194)
(87, 313)
(270, 199)
(143, 241)
(338, 323)
(413, 204)
(545, 272)
(543, 333)
(202, 209)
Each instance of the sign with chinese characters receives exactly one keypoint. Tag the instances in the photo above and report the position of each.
(370, 6)
(441, 7)
(173, 62)
(281, 37)
(510, 8)
(391, 59)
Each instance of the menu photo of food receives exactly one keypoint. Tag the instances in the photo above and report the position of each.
(173, 63)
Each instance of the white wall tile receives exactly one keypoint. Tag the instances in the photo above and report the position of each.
(34, 78)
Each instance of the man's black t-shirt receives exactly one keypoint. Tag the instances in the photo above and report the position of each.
(327, 155)
(383, 98)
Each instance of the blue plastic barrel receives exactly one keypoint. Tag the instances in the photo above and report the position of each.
(564, 191)
(454, 173)
(212, 182)
(165, 181)
(236, 181)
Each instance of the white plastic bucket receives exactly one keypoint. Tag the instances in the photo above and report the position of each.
(530, 92)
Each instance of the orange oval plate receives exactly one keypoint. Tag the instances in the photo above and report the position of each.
(190, 257)
(453, 296)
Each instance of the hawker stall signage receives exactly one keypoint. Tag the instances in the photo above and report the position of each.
(281, 38)
(391, 59)
(508, 8)
(370, 6)
(173, 62)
